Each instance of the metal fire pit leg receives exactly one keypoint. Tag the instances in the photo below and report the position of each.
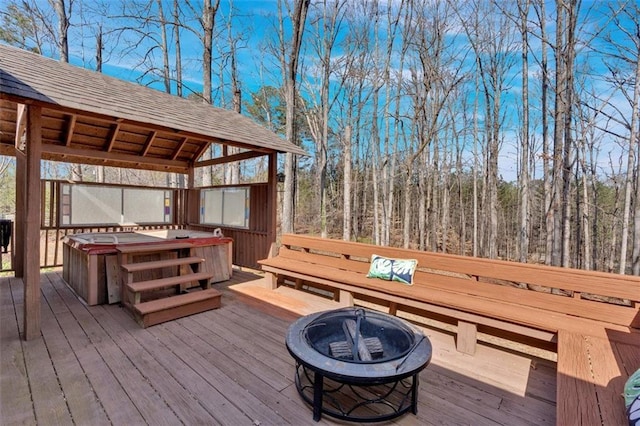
(414, 394)
(318, 387)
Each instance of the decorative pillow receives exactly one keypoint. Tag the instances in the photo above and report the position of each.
(632, 388)
(400, 270)
(633, 412)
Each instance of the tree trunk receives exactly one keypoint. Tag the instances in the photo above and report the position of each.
(290, 71)
(375, 171)
(207, 21)
(99, 49)
(523, 7)
(232, 170)
(585, 219)
(166, 74)
(176, 36)
(559, 117)
(634, 149)
(547, 177)
(567, 160)
(476, 166)
(63, 29)
(346, 194)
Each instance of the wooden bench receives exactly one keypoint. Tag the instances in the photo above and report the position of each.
(532, 304)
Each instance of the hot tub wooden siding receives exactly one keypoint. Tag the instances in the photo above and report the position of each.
(88, 268)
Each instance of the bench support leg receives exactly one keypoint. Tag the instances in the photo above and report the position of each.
(346, 298)
(467, 338)
(271, 281)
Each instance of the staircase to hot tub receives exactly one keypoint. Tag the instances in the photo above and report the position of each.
(155, 300)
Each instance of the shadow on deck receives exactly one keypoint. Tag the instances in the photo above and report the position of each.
(95, 365)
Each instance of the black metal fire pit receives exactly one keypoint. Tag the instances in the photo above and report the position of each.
(356, 364)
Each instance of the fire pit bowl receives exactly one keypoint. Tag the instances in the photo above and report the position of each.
(357, 364)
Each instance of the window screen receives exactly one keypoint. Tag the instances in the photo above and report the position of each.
(225, 206)
(111, 205)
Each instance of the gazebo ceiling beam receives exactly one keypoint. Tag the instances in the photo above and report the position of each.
(181, 145)
(230, 158)
(65, 152)
(201, 151)
(113, 135)
(71, 125)
(149, 142)
(21, 126)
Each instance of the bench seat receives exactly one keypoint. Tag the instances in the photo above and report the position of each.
(494, 302)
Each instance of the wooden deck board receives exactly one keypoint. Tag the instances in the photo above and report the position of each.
(609, 380)
(226, 366)
(16, 407)
(157, 340)
(145, 398)
(207, 360)
(185, 406)
(84, 406)
(569, 384)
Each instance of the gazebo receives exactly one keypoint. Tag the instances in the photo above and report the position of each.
(55, 111)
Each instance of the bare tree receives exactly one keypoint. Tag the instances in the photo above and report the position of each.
(63, 13)
(207, 21)
(624, 68)
(492, 40)
(178, 50)
(289, 57)
(22, 28)
(523, 12)
(437, 75)
(326, 22)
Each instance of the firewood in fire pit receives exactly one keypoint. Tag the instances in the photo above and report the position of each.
(369, 348)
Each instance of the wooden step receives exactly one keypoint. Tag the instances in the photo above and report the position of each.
(284, 302)
(174, 307)
(160, 283)
(152, 247)
(155, 264)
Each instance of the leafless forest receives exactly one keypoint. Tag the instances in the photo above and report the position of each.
(501, 129)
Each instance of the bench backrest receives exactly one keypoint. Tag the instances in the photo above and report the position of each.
(601, 296)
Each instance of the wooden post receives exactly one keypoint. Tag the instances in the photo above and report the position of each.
(346, 298)
(467, 338)
(192, 212)
(272, 198)
(21, 190)
(31, 243)
(21, 195)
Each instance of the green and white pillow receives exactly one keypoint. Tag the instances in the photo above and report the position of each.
(632, 388)
(389, 269)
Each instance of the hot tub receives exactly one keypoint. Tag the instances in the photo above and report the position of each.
(90, 260)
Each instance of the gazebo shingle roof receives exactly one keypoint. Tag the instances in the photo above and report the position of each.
(88, 114)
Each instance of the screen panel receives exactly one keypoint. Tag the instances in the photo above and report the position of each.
(95, 205)
(225, 206)
(143, 205)
(112, 205)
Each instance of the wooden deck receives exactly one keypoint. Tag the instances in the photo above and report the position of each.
(95, 365)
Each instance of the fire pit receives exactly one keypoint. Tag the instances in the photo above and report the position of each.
(357, 364)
